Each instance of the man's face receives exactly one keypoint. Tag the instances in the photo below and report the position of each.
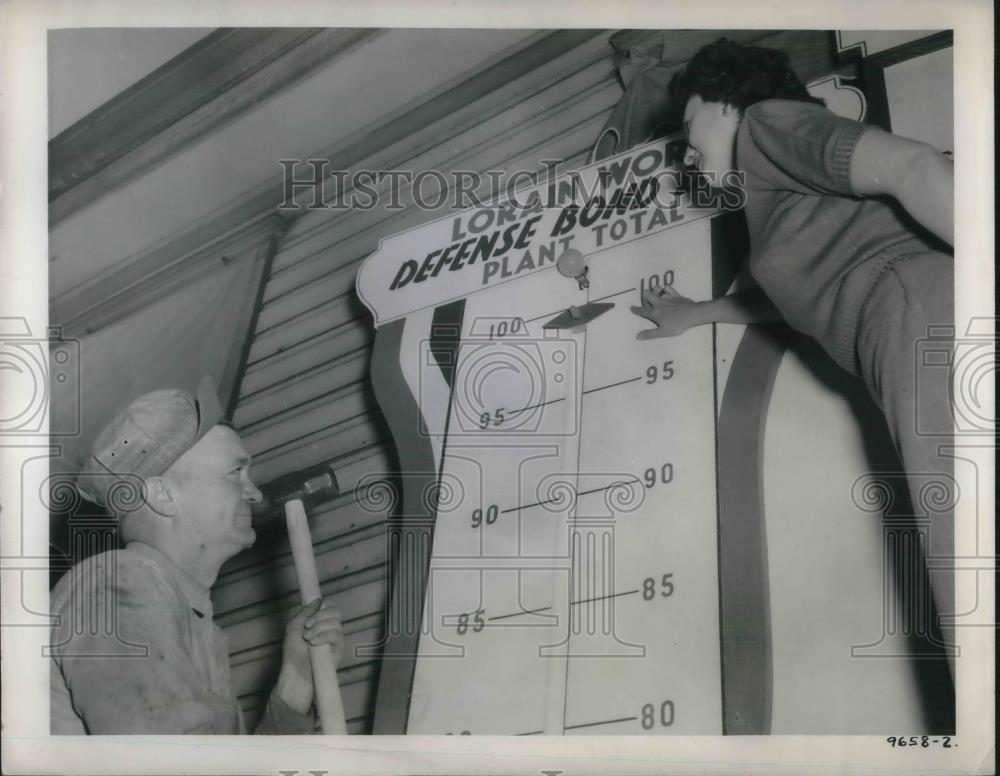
(711, 136)
(215, 492)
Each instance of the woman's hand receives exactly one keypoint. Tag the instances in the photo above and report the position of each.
(313, 625)
(672, 313)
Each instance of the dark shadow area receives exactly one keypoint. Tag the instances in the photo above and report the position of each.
(917, 614)
(76, 532)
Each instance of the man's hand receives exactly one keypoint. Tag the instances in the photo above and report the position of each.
(672, 313)
(313, 625)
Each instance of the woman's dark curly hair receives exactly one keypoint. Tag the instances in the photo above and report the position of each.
(739, 75)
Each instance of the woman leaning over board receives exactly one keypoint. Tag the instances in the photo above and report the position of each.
(850, 232)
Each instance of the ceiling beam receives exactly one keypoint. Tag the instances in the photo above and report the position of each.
(81, 309)
(204, 87)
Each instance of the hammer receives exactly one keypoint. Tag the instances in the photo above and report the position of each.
(315, 483)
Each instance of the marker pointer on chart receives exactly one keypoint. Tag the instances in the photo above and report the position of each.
(573, 264)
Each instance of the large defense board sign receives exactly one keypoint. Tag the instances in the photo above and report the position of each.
(595, 538)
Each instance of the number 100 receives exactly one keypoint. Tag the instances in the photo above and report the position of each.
(657, 281)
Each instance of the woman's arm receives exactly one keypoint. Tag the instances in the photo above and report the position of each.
(919, 176)
(674, 314)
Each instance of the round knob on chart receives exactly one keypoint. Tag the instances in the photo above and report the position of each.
(573, 264)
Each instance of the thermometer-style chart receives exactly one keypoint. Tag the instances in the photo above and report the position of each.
(600, 535)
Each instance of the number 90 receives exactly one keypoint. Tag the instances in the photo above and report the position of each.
(492, 513)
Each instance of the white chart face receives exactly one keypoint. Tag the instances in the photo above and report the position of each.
(588, 464)
(498, 552)
(644, 656)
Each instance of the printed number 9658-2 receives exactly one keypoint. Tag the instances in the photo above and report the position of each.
(922, 741)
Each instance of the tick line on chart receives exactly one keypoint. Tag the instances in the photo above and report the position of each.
(518, 614)
(621, 382)
(606, 487)
(529, 506)
(581, 493)
(536, 406)
(603, 597)
(589, 301)
(605, 722)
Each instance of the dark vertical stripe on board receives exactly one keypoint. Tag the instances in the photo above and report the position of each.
(744, 596)
(446, 333)
(411, 538)
(873, 79)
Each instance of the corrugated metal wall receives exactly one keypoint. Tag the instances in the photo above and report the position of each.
(305, 397)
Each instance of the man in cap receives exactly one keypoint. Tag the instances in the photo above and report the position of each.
(133, 643)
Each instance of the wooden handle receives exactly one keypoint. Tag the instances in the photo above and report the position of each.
(324, 665)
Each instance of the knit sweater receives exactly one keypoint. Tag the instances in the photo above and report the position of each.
(818, 248)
